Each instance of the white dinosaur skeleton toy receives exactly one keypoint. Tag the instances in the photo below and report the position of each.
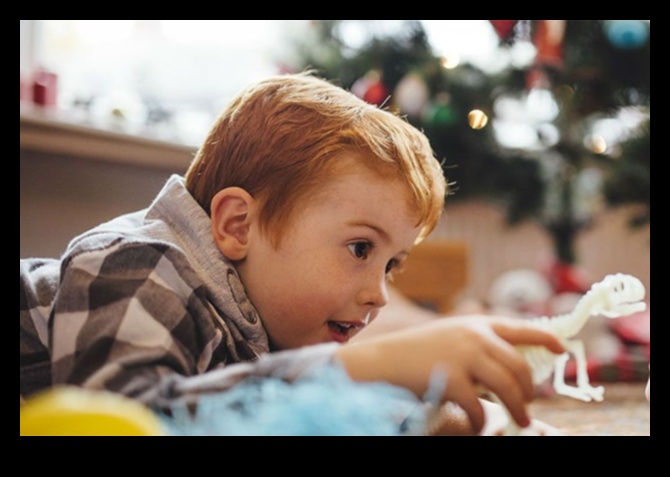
(616, 295)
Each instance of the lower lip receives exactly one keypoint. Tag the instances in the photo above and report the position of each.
(336, 336)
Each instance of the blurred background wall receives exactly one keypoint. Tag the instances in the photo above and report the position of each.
(543, 126)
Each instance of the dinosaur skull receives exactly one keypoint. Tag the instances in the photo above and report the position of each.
(619, 295)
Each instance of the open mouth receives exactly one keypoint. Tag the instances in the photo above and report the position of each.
(342, 331)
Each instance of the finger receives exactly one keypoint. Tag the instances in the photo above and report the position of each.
(463, 393)
(518, 332)
(500, 381)
(507, 356)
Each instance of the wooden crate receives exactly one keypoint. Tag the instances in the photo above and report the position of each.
(434, 274)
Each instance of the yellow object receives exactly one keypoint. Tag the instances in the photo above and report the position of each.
(71, 411)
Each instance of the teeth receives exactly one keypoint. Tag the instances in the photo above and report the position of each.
(343, 327)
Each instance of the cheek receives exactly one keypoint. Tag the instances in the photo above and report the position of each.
(311, 294)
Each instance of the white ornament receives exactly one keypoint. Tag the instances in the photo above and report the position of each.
(411, 95)
(519, 293)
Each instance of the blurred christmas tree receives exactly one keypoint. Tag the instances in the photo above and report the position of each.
(630, 180)
(550, 138)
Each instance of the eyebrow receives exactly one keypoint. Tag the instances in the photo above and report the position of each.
(380, 231)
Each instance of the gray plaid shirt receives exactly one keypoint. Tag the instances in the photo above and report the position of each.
(147, 306)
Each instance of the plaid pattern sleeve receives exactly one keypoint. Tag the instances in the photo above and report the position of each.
(124, 317)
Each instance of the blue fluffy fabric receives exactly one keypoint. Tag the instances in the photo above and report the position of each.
(325, 403)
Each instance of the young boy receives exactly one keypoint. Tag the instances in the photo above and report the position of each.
(269, 255)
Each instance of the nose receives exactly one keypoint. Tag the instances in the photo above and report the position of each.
(374, 291)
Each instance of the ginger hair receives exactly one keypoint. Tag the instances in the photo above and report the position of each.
(280, 140)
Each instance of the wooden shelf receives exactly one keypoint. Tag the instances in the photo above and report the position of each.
(52, 131)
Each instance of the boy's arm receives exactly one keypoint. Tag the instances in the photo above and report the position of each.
(475, 353)
(402, 313)
(287, 365)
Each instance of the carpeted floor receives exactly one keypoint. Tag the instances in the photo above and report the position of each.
(624, 412)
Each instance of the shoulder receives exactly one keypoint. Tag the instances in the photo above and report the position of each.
(127, 240)
(122, 257)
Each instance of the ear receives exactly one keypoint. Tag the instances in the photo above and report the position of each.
(232, 212)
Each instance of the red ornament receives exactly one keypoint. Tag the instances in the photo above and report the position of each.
(549, 42)
(503, 28)
(376, 94)
(567, 278)
(371, 89)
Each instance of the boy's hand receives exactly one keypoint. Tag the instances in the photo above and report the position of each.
(475, 352)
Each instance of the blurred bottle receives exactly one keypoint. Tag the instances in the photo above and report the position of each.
(22, 90)
(45, 88)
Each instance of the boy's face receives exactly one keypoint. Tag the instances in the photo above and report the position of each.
(328, 277)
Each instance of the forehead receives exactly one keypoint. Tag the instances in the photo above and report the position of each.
(350, 187)
(361, 190)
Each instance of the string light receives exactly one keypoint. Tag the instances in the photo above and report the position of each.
(477, 119)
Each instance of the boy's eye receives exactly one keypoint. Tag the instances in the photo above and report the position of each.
(360, 249)
(392, 265)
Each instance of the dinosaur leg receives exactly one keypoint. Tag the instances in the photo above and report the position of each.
(583, 382)
(583, 391)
